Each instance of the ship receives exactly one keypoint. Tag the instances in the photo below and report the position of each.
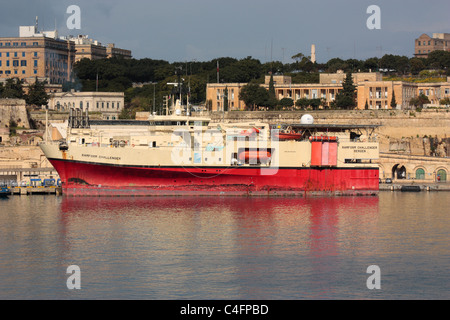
(180, 154)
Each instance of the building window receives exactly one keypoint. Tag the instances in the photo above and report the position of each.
(23, 54)
(15, 63)
(35, 63)
(7, 54)
(15, 54)
(7, 63)
(23, 63)
(35, 54)
(35, 71)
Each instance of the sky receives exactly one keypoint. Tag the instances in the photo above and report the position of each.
(202, 30)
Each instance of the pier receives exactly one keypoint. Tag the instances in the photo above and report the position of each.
(14, 178)
(36, 191)
(408, 186)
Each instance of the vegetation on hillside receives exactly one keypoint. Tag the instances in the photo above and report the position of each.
(157, 76)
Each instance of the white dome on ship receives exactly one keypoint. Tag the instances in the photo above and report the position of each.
(307, 119)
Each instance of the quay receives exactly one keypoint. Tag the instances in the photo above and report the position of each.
(36, 181)
(407, 186)
(36, 191)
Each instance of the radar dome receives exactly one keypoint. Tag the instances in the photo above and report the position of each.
(307, 119)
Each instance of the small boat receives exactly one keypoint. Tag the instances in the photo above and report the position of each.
(4, 192)
(262, 156)
(410, 189)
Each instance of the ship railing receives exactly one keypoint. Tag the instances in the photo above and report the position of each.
(50, 143)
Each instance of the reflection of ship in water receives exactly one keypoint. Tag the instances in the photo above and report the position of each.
(249, 239)
(179, 154)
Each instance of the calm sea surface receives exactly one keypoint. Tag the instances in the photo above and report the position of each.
(226, 248)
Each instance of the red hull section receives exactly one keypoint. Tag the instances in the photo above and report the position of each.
(103, 180)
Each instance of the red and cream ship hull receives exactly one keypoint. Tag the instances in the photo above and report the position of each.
(88, 178)
(184, 155)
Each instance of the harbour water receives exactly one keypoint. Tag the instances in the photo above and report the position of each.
(226, 248)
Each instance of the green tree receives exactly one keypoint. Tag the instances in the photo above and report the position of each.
(37, 95)
(302, 103)
(346, 98)
(393, 102)
(445, 101)
(286, 102)
(419, 101)
(439, 60)
(315, 103)
(13, 89)
(225, 99)
(271, 87)
(254, 96)
(417, 65)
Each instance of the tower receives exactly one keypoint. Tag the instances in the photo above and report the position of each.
(313, 53)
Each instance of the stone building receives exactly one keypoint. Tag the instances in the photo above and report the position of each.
(426, 44)
(109, 104)
(371, 89)
(47, 56)
(93, 49)
(35, 54)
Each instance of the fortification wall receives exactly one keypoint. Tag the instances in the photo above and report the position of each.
(401, 131)
(13, 109)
